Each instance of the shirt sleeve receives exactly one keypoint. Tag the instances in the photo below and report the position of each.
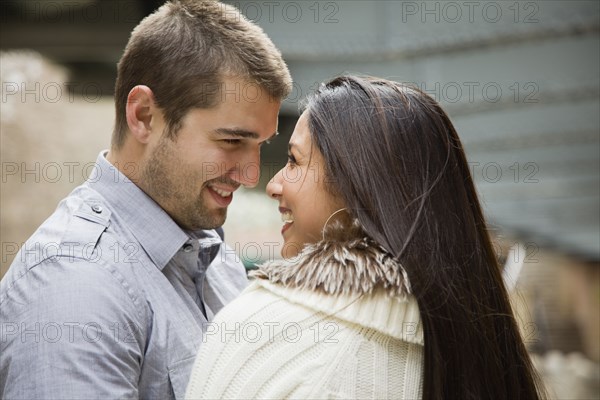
(70, 329)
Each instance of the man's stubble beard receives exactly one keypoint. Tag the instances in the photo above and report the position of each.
(167, 180)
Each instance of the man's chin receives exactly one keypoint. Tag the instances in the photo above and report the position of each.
(215, 220)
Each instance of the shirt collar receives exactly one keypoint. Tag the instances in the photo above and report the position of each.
(156, 231)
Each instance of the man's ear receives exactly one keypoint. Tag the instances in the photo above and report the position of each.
(140, 110)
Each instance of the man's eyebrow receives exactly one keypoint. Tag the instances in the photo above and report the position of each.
(241, 133)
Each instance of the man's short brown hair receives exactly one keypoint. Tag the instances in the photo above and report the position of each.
(183, 51)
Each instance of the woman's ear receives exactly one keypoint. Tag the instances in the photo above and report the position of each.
(140, 109)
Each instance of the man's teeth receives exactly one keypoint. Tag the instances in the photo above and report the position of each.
(220, 192)
(287, 217)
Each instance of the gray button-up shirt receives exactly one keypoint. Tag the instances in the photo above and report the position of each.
(109, 297)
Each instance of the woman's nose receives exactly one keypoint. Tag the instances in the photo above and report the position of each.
(274, 187)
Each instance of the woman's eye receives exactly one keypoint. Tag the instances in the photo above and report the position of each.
(291, 159)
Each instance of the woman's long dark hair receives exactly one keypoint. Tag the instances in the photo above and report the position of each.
(393, 155)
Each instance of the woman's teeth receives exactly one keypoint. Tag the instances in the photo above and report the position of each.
(220, 192)
(287, 217)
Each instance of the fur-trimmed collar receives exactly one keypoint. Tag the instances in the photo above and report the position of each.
(346, 262)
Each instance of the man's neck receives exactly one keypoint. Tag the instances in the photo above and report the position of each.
(126, 162)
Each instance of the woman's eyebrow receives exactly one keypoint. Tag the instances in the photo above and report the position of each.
(295, 146)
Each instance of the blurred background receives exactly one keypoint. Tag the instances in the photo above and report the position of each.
(520, 80)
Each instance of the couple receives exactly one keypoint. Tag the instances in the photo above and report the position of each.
(388, 288)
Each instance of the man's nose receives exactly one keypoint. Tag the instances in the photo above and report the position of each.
(248, 171)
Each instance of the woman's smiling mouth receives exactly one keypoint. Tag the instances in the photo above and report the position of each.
(287, 218)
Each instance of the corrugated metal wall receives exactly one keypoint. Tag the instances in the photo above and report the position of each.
(520, 80)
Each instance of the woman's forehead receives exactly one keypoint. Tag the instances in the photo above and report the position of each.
(301, 137)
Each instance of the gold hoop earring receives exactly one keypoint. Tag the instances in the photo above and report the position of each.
(328, 219)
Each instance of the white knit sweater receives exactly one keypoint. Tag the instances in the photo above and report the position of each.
(299, 332)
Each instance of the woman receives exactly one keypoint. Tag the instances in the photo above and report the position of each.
(389, 287)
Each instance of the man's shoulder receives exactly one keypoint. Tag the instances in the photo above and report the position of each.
(72, 230)
(74, 243)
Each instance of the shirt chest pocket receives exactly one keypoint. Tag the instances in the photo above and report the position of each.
(179, 375)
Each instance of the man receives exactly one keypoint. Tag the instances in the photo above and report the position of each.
(110, 296)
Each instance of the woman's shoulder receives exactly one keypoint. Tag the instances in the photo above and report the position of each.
(393, 316)
(267, 304)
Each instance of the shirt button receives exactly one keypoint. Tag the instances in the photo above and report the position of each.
(97, 209)
(188, 247)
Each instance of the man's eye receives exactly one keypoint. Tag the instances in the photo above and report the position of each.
(231, 141)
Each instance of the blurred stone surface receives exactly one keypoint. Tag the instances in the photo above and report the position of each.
(569, 376)
(49, 141)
